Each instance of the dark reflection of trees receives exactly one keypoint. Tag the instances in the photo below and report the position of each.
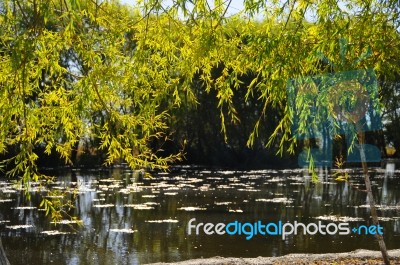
(305, 200)
(94, 243)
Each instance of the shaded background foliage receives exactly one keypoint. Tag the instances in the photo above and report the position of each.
(96, 81)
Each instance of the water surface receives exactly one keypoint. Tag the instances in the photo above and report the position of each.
(130, 220)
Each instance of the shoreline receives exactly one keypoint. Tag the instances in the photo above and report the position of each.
(360, 256)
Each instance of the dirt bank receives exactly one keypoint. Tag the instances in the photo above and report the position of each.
(360, 256)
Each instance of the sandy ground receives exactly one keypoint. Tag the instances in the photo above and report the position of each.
(360, 256)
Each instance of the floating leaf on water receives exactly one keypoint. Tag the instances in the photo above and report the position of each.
(162, 221)
(226, 172)
(239, 184)
(162, 185)
(67, 222)
(124, 230)
(287, 171)
(8, 191)
(54, 232)
(195, 180)
(252, 176)
(170, 193)
(103, 205)
(381, 207)
(24, 208)
(85, 189)
(151, 203)
(215, 178)
(276, 200)
(139, 206)
(222, 203)
(276, 179)
(55, 196)
(249, 190)
(124, 191)
(191, 209)
(204, 188)
(135, 190)
(235, 211)
(385, 219)
(102, 199)
(262, 171)
(149, 196)
(251, 187)
(296, 179)
(336, 218)
(186, 186)
(327, 183)
(108, 180)
(114, 186)
(18, 226)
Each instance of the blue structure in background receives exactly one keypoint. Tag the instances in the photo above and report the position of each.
(334, 104)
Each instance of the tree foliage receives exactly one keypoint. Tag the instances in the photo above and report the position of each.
(68, 73)
(117, 75)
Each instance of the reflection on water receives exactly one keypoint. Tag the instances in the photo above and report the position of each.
(129, 220)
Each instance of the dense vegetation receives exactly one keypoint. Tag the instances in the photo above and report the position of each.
(125, 83)
(146, 84)
(150, 84)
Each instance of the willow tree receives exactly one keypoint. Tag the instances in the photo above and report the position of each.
(67, 74)
(76, 70)
(295, 39)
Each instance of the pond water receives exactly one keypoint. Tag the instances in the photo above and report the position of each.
(130, 220)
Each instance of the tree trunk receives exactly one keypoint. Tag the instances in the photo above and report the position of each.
(374, 214)
(3, 257)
